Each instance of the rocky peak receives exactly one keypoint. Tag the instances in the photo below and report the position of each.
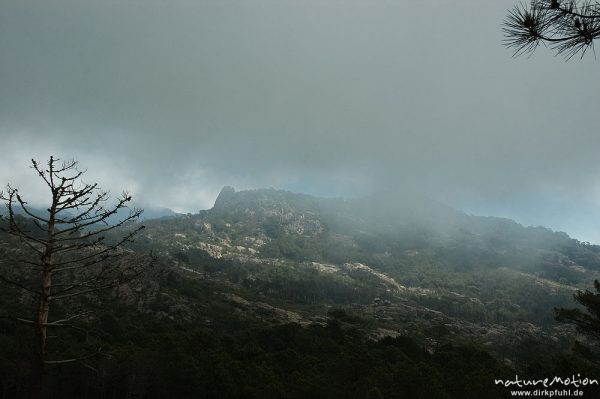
(225, 197)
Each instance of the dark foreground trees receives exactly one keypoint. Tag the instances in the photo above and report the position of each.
(66, 252)
(588, 323)
(567, 26)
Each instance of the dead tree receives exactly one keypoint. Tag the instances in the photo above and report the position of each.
(568, 26)
(70, 249)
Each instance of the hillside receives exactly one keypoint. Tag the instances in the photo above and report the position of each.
(407, 264)
(503, 270)
(268, 281)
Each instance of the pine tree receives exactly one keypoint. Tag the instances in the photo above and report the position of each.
(68, 253)
(567, 26)
(587, 322)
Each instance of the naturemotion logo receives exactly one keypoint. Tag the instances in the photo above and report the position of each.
(547, 382)
(542, 383)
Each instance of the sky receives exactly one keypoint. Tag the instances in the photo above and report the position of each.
(172, 100)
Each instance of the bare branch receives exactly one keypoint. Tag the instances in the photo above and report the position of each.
(62, 321)
(101, 218)
(69, 246)
(78, 359)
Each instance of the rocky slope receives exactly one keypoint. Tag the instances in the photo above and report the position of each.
(404, 264)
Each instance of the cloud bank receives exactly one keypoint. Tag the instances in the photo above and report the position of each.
(173, 100)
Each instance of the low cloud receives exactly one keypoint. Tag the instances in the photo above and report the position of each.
(175, 100)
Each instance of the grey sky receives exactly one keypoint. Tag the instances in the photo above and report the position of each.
(174, 99)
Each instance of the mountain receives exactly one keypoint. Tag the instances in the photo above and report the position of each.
(363, 293)
(154, 212)
(307, 251)
(381, 229)
(150, 212)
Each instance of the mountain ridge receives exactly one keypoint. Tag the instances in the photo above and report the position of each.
(376, 269)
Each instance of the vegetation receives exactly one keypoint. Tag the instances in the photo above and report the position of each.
(213, 351)
(588, 322)
(568, 26)
(65, 254)
(270, 294)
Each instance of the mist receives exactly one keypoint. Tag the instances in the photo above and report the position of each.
(174, 100)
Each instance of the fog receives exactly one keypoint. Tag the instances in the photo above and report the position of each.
(175, 99)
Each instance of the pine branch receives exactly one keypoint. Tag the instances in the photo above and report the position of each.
(568, 28)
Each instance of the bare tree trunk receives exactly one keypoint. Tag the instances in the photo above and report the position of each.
(76, 254)
(43, 310)
(38, 369)
(36, 375)
(41, 332)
